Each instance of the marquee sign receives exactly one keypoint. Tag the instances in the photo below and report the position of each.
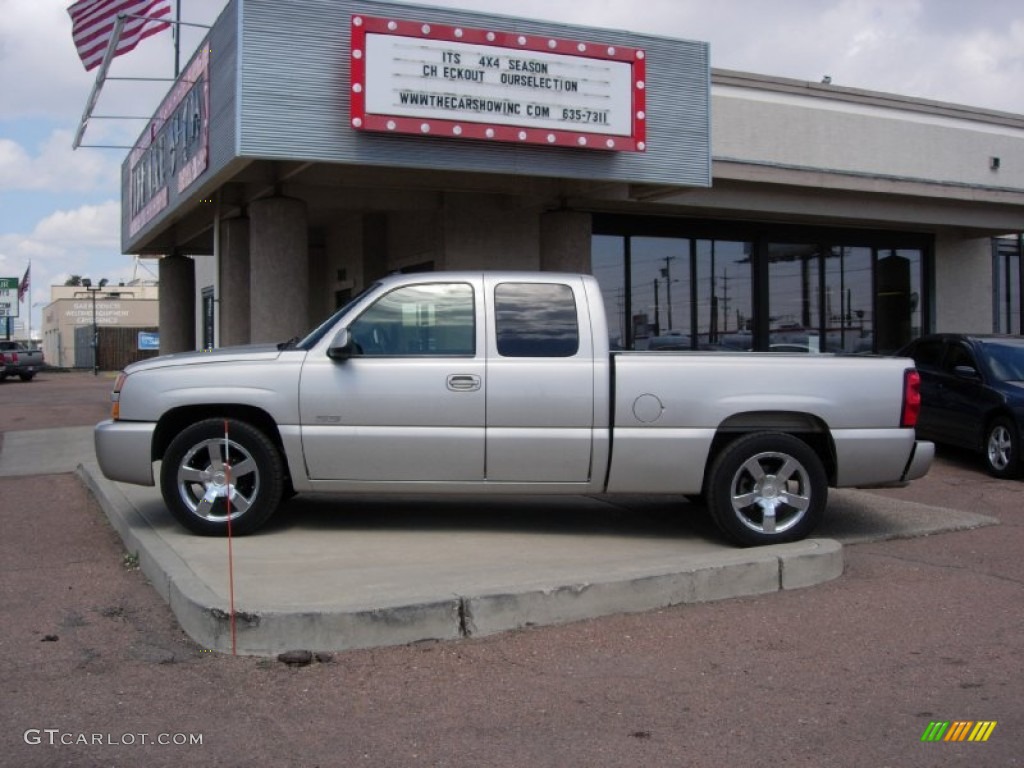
(410, 77)
(174, 151)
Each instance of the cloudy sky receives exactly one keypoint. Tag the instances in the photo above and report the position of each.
(60, 208)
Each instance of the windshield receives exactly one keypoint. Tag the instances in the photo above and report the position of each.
(1006, 361)
(321, 330)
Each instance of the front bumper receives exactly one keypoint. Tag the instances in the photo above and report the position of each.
(124, 450)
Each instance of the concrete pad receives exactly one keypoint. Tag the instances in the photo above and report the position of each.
(332, 573)
(338, 572)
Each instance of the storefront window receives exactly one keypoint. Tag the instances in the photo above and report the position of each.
(815, 295)
(661, 292)
(724, 291)
(848, 304)
(794, 300)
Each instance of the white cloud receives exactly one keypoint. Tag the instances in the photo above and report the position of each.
(80, 241)
(54, 166)
(91, 226)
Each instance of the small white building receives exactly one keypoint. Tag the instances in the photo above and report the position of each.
(130, 305)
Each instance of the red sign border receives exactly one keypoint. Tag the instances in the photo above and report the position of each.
(361, 25)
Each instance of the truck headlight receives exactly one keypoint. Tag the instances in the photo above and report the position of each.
(115, 396)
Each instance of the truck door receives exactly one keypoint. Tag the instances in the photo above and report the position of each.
(409, 404)
(540, 381)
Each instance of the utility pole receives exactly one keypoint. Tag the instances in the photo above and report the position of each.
(666, 272)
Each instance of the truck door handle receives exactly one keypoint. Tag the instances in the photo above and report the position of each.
(463, 382)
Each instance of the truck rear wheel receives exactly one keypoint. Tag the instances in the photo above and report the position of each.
(204, 474)
(767, 488)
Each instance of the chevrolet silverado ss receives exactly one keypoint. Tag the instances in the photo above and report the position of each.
(504, 383)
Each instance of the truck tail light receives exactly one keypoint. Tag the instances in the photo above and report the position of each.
(911, 398)
(115, 397)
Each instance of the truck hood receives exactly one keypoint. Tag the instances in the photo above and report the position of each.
(246, 353)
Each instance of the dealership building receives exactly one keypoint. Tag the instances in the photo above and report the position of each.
(312, 146)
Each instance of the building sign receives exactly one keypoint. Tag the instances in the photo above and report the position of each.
(439, 80)
(104, 312)
(175, 149)
(9, 304)
(149, 340)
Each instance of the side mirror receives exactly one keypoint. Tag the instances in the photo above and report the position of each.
(966, 372)
(341, 347)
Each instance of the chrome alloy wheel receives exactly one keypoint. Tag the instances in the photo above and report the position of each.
(214, 473)
(1000, 448)
(770, 492)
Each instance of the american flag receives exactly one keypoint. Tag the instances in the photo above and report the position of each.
(93, 24)
(23, 288)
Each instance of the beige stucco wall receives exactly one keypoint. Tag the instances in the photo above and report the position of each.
(120, 305)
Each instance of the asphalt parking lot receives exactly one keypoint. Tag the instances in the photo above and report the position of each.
(849, 672)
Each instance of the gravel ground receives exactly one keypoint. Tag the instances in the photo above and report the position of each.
(95, 672)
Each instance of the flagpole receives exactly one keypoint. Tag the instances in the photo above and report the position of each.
(177, 39)
(29, 273)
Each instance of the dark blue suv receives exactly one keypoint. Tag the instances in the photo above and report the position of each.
(972, 395)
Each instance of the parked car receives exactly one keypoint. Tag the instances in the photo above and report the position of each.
(18, 360)
(972, 395)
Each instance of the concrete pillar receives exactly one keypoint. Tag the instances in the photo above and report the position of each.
(177, 304)
(963, 284)
(376, 249)
(565, 241)
(234, 282)
(489, 232)
(278, 270)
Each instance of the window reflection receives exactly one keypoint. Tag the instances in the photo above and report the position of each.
(848, 313)
(681, 293)
(725, 312)
(794, 302)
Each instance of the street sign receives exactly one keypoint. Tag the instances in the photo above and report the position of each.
(9, 297)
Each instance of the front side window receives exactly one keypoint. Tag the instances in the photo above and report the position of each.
(536, 320)
(430, 319)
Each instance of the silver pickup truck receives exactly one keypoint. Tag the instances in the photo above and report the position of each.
(504, 383)
(18, 360)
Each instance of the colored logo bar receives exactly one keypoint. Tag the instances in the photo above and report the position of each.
(959, 730)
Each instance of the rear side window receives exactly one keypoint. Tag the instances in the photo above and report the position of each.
(928, 354)
(536, 320)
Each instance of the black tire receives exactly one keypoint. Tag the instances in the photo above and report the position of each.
(1001, 450)
(194, 484)
(762, 472)
(26, 376)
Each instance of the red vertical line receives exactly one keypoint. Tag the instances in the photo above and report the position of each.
(231, 562)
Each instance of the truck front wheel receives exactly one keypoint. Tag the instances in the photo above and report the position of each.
(767, 488)
(215, 471)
